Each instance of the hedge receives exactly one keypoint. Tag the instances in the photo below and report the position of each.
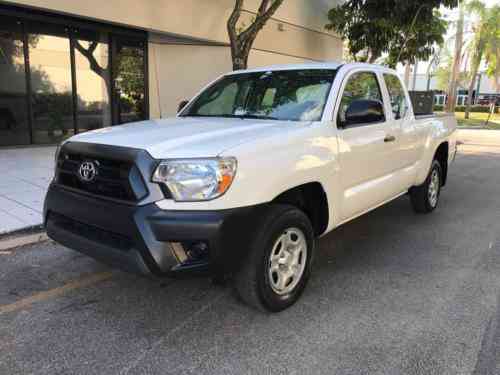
(474, 108)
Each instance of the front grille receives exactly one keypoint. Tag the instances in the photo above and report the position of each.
(114, 179)
(91, 232)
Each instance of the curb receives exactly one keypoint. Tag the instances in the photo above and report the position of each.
(23, 237)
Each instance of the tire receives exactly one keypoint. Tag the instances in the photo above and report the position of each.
(260, 282)
(425, 197)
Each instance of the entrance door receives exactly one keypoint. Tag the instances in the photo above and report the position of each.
(14, 121)
(129, 89)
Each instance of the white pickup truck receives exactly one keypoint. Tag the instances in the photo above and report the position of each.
(251, 171)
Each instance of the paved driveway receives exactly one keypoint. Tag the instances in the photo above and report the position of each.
(392, 293)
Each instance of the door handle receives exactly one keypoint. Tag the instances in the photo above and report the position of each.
(389, 138)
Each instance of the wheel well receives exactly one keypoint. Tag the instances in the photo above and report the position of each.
(310, 198)
(442, 156)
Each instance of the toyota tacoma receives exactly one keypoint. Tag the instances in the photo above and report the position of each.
(250, 172)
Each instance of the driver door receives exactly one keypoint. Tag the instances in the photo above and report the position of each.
(365, 149)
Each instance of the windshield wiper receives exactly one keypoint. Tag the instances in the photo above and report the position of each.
(257, 117)
(241, 117)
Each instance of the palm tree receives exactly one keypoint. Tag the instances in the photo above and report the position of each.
(492, 52)
(477, 47)
(485, 43)
(457, 60)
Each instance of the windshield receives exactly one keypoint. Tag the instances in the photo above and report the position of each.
(292, 95)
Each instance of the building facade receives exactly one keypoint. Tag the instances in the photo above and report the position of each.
(484, 91)
(72, 66)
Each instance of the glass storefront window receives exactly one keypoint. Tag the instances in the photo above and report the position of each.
(14, 126)
(58, 79)
(92, 83)
(130, 82)
(50, 67)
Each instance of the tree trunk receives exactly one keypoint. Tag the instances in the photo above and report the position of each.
(476, 62)
(452, 88)
(374, 55)
(242, 41)
(407, 75)
(415, 71)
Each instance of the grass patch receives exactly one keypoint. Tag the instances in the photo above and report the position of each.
(477, 120)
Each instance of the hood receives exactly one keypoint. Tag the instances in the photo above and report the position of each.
(186, 137)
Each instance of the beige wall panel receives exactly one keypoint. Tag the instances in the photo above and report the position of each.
(308, 13)
(206, 19)
(261, 58)
(178, 72)
(157, 14)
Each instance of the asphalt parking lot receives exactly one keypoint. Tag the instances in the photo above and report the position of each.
(392, 293)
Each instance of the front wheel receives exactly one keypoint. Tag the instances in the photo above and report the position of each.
(425, 197)
(278, 266)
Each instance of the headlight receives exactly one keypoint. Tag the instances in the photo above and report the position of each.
(196, 179)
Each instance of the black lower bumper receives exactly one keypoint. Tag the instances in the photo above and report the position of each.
(146, 239)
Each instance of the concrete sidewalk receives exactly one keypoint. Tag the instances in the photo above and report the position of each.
(25, 174)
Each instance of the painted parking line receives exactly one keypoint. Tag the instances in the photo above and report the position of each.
(56, 292)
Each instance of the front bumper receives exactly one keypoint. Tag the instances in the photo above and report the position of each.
(145, 239)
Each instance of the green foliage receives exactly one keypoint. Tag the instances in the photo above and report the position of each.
(492, 49)
(404, 30)
(474, 108)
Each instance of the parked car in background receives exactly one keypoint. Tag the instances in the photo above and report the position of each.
(252, 170)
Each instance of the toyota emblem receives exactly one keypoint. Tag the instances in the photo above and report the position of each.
(87, 171)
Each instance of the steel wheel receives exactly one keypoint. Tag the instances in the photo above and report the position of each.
(434, 186)
(287, 261)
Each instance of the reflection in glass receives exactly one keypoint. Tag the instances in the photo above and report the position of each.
(14, 128)
(92, 81)
(50, 66)
(129, 83)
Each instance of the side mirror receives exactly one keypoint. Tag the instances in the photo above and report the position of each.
(182, 104)
(364, 111)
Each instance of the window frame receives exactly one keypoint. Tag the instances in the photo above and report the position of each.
(31, 21)
(406, 95)
(343, 85)
(334, 71)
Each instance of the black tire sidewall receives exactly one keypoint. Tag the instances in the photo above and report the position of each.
(292, 218)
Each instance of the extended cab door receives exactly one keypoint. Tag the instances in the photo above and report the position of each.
(366, 149)
(409, 139)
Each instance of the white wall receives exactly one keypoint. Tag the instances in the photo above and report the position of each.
(487, 84)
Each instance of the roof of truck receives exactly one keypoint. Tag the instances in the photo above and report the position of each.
(310, 65)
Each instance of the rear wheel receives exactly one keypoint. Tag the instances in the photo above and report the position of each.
(278, 265)
(425, 197)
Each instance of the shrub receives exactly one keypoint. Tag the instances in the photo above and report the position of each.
(461, 108)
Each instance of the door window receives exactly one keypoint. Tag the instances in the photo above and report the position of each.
(397, 96)
(361, 86)
(14, 126)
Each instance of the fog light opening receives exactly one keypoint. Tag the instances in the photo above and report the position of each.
(197, 251)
